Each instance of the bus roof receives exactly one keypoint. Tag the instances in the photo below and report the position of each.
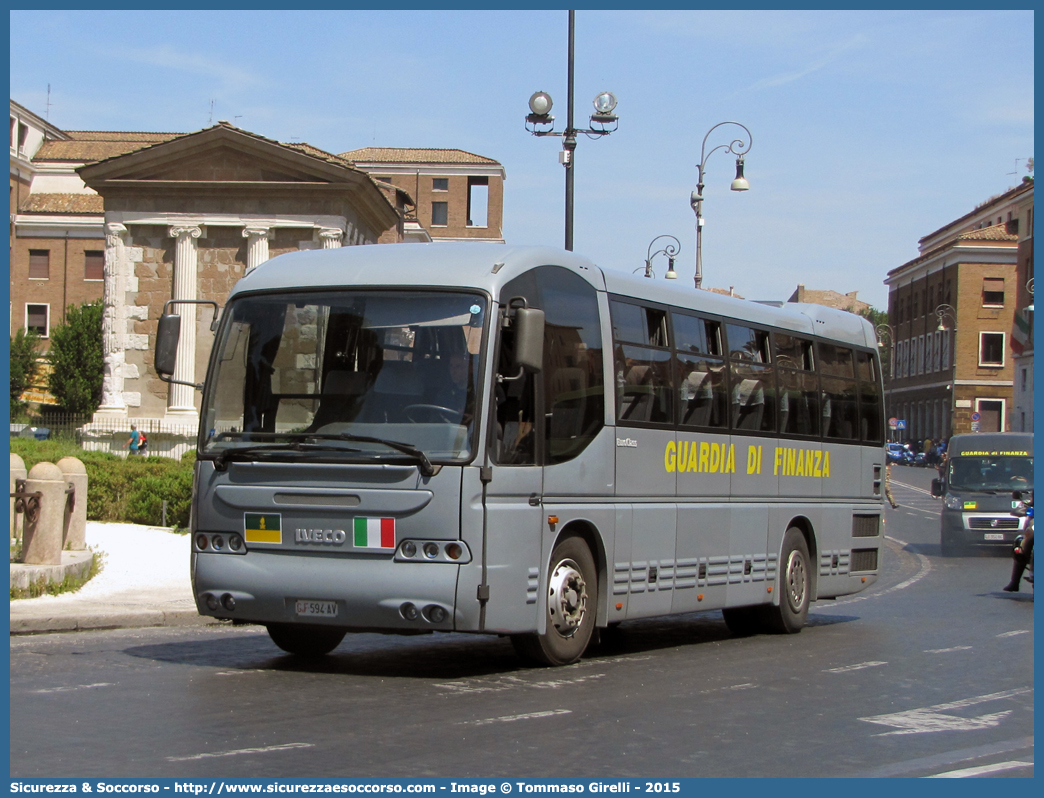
(475, 265)
(989, 443)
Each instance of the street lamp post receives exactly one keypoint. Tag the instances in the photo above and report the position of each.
(670, 250)
(885, 332)
(942, 312)
(540, 109)
(738, 148)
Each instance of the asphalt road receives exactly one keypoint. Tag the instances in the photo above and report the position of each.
(928, 673)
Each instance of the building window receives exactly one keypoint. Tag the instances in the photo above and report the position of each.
(36, 318)
(944, 355)
(991, 349)
(478, 201)
(993, 291)
(440, 214)
(991, 414)
(39, 264)
(440, 184)
(94, 264)
(387, 180)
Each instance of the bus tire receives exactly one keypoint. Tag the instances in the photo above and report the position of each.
(305, 641)
(795, 586)
(572, 585)
(743, 621)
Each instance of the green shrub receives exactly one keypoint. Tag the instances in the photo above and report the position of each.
(145, 503)
(124, 490)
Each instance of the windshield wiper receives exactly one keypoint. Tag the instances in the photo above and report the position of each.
(426, 468)
(221, 459)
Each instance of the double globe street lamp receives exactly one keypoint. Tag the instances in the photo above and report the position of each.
(540, 105)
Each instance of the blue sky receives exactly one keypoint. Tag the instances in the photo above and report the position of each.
(871, 128)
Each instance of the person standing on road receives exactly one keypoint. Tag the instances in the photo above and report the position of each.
(888, 486)
(133, 441)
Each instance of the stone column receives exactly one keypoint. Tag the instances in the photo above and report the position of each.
(257, 246)
(331, 237)
(114, 323)
(181, 398)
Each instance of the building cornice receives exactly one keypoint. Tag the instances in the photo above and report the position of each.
(433, 170)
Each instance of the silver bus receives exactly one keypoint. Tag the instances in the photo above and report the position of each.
(513, 441)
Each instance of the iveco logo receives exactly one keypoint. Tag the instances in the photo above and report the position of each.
(995, 522)
(334, 537)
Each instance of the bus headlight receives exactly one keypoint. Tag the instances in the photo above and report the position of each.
(953, 502)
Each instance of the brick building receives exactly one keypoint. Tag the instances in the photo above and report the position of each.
(1022, 330)
(951, 311)
(831, 299)
(459, 195)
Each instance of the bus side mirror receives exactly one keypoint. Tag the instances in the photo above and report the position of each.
(167, 335)
(938, 488)
(529, 339)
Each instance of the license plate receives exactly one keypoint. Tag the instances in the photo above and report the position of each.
(322, 609)
(993, 536)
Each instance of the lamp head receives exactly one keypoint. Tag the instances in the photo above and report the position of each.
(540, 103)
(740, 183)
(671, 273)
(605, 102)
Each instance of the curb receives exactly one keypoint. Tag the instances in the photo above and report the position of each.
(95, 621)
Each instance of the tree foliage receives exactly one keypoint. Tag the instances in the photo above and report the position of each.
(77, 359)
(24, 344)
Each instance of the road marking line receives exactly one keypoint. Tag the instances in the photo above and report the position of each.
(910, 487)
(946, 650)
(264, 750)
(1012, 634)
(859, 667)
(933, 718)
(965, 773)
(511, 718)
(70, 689)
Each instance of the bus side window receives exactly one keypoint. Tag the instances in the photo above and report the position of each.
(752, 380)
(798, 387)
(871, 428)
(840, 393)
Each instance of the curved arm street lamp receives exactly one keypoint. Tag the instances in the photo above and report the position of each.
(942, 312)
(670, 250)
(737, 147)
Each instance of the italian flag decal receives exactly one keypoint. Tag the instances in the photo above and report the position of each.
(374, 533)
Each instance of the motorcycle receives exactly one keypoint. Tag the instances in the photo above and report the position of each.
(1022, 507)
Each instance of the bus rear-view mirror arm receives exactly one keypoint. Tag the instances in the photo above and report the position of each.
(167, 335)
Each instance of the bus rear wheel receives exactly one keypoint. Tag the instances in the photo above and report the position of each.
(795, 586)
(572, 599)
(305, 641)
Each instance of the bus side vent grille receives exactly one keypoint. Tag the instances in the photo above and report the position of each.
(866, 526)
(864, 560)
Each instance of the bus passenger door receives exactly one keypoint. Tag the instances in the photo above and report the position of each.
(513, 511)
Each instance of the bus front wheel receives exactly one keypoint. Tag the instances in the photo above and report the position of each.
(572, 599)
(305, 641)
(795, 586)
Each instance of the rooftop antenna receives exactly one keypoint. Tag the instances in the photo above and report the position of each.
(211, 120)
(1016, 167)
(235, 120)
(47, 110)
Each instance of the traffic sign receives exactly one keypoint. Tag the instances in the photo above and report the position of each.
(893, 423)
(900, 423)
(976, 417)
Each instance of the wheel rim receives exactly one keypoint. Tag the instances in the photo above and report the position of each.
(567, 597)
(796, 580)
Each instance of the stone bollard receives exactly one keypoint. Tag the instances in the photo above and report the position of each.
(74, 537)
(17, 472)
(42, 536)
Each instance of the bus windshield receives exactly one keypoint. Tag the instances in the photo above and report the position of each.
(991, 473)
(354, 376)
